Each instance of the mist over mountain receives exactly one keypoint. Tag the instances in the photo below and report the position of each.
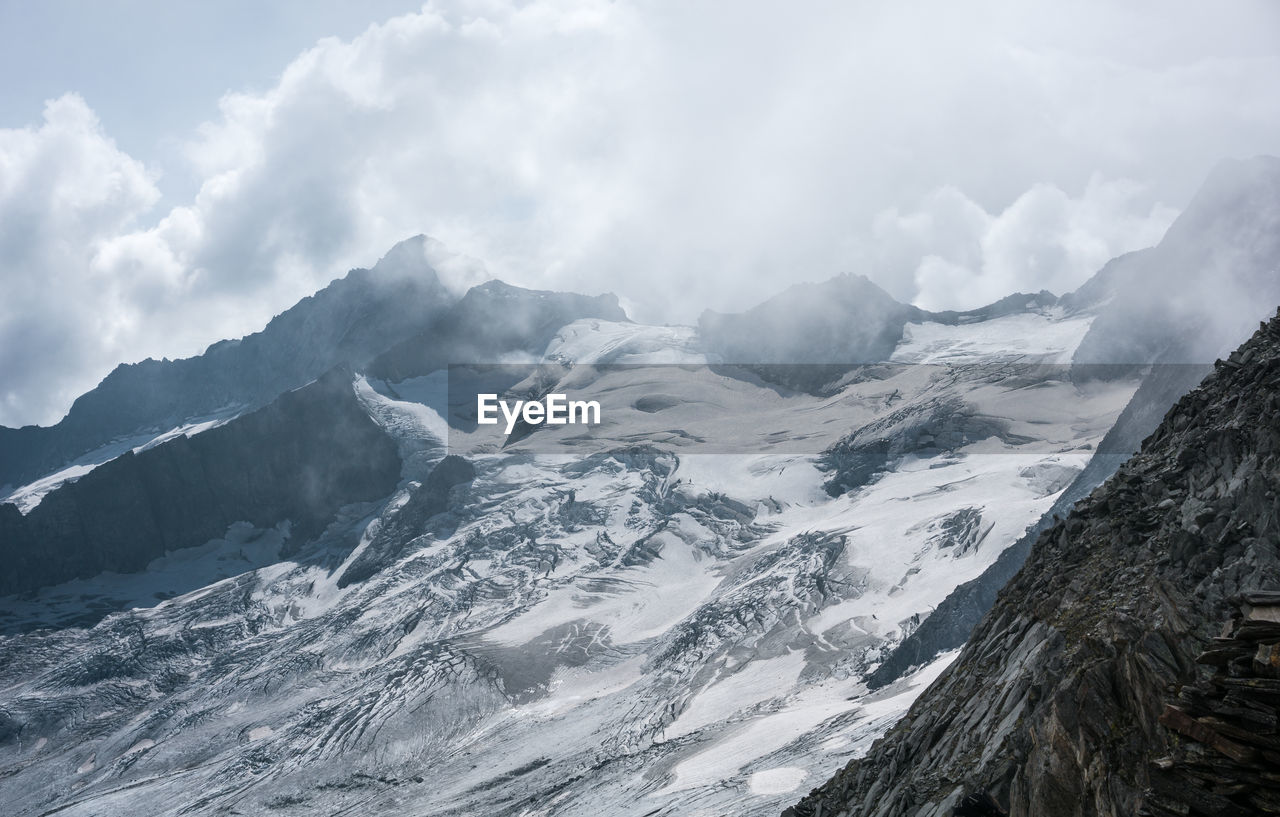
(1190, 298)
(492, 322)
(1177, 306)
(845, 320)
(347, 323)
(286, 576)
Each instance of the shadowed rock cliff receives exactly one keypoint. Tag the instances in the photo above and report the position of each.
(428, 500)
(299, 459)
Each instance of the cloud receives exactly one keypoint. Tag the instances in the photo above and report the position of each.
(959, 256)
(65, 191)
(667, 151)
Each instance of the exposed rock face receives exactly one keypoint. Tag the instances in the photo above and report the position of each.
(1054, 705)
(937, 426)
(1227, 759)
(1008, 305)
(298, 459)
(345, 324)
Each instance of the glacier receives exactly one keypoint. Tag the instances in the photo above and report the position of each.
(653, 627)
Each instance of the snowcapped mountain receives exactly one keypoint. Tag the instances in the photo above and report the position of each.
(343, 597)
(347, 323)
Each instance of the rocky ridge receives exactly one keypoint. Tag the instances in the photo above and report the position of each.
(347, 323)
(297, 460)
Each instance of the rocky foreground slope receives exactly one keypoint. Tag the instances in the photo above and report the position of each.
(1227, 759)
(1054, 706)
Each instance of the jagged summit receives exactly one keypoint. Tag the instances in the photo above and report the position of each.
(1054, 704)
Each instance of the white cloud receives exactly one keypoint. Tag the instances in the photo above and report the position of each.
(960, 256)
(65, 190)
(678, 154)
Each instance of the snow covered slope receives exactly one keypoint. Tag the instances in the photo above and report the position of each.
(648, 626)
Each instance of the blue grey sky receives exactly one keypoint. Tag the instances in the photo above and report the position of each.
(173, 173)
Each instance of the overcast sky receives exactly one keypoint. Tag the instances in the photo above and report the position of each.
(173, 173)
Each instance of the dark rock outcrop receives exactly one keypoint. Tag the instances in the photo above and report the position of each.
(924, 430)
(346, 324)
(300, 458)
(410, 522)
(1054, 704)
(1227, 759)
(1015, 304)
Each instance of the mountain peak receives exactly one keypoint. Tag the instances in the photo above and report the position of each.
(407, 258)
(845, 319)
(348, 322)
